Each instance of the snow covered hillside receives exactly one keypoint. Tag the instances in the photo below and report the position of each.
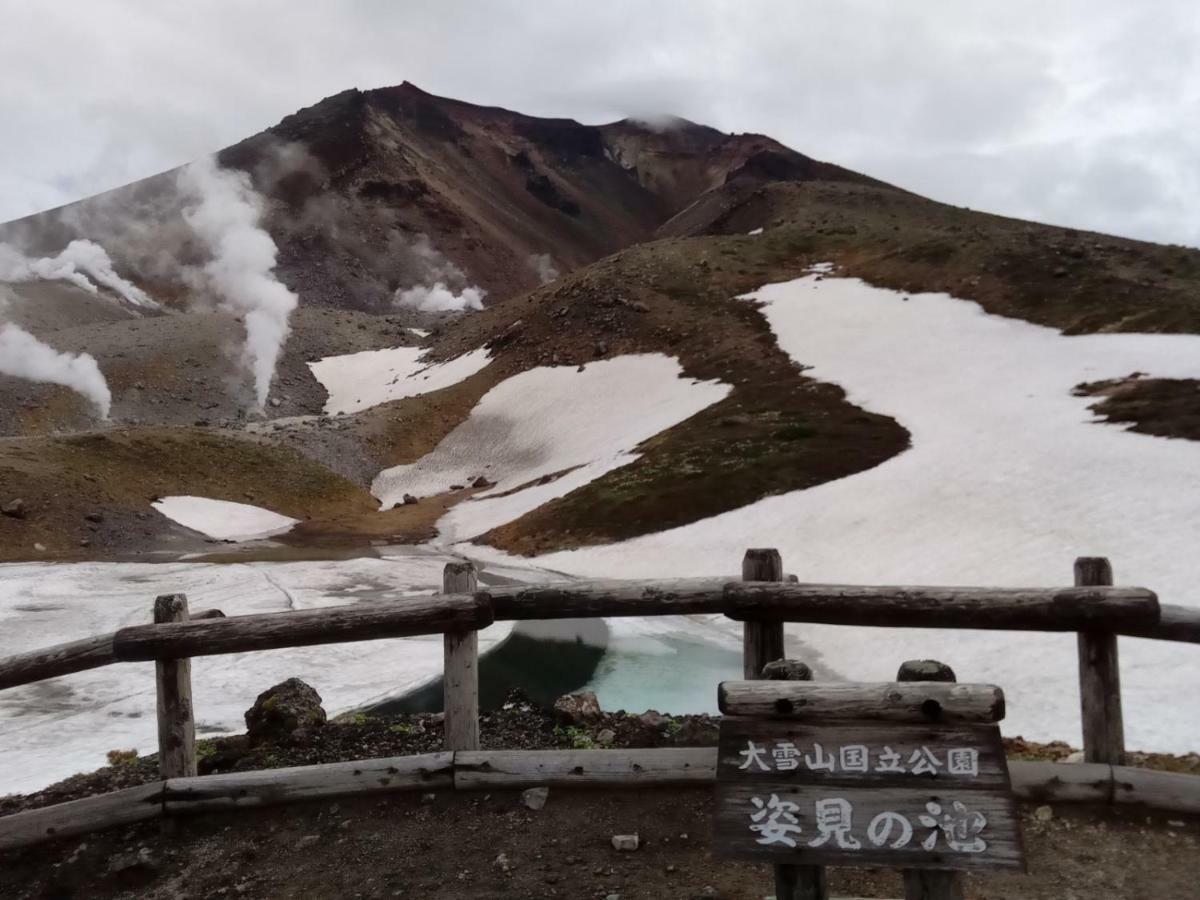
(573, 423)
(358, 381)
(1008, 480)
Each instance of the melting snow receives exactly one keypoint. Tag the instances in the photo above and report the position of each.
(55, 728)
(223, 520)
(1008, 480)
(546, 421)
(358, 381)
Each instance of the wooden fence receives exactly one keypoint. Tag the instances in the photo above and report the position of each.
(763, 598)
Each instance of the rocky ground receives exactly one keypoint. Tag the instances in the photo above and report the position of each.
(510, 844)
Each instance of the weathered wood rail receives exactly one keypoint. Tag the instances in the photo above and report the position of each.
(763, 599)
(488, 770)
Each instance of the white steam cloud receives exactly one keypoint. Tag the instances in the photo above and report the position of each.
(24, 356)
(444, 287)
(225, 212)
(543, 265)
(78, 260)
(439, 298)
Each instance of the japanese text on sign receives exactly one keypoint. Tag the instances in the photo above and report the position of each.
(787, 756)
(775, 821)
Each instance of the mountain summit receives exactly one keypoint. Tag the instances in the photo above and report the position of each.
(361, 184)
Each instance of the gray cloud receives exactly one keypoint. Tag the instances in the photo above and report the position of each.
(1073, 112)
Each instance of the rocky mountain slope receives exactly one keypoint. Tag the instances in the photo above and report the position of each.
(585, 243)
(353, 182)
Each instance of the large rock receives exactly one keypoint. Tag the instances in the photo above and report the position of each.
(787, 670)
(535, 797)
(577, 709)
(14, 509)
(284, 714)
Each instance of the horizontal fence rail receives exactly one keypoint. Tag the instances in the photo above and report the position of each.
(1122, 610)
(1041, 782)
(303, 628)
(65, 659)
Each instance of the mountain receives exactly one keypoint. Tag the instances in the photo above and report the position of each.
(355, 180)
(591, 244)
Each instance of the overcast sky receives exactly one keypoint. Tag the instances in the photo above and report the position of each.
(1079, 113)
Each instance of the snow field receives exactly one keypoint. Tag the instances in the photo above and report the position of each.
(223, 520)
(545, 421)
(52, 729)
(358, 381)
(1008, 480)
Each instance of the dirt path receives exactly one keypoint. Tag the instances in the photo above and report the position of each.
(455, 845)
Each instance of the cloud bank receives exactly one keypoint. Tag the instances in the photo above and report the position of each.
(1078, 112)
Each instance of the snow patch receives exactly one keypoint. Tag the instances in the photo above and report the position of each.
(358, 381)
(1008, 480)
(543, 422)
(224, 520)
(755, 231)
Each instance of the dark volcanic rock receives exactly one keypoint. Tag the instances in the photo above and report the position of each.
(577, 709)
(284, 714)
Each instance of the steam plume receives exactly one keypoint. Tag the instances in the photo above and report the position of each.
(74, 263)
(225, 215)
(543, 265)
(24, 356)
(440, 298)
(444, 286)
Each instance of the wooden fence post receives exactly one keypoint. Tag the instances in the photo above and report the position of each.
(460, 677)
(176, 725)
(762, 642)
(793, 882)
(929, 884)
(1099, 677)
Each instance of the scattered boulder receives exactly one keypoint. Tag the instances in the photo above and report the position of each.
(925, 670)
(625, 843)
(1043, 813)
(286, 713)
(14, 509)
(95, 517)
(577, 709)
(535, 798)
(605, 737)
(650, 727)
(482, 482)
(138, 866)
(787, 670)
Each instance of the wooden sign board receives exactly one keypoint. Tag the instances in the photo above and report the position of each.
(866, 793)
